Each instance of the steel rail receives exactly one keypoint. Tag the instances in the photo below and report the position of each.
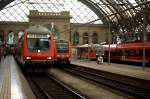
(129, 85)
(53, 89)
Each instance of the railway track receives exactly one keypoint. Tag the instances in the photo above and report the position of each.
(133, 86)
(51, 88)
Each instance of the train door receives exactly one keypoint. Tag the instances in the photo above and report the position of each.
(123, 55)
(92, 52)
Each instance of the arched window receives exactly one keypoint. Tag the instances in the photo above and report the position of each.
(75, 38)
(94, 38)
(85, 38)
(20, 34)
(10, 36)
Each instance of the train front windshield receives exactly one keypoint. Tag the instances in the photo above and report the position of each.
(62, 47)
(38, 44)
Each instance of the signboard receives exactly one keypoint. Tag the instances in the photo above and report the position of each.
(38, 36)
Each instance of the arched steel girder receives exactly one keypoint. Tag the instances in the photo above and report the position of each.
(112, 10)
(144, 6)
(105, 17)
(117, 8)
(95, 8)
(127, 20)
(3, 3)
(128, 5)
(113, 7)
(142, 1)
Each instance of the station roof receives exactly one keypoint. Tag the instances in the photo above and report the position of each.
(123, 13)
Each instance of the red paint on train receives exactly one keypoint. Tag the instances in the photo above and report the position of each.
(64, 51)
(37, 45)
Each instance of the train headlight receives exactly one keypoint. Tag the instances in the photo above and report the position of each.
(28, 57)
(49, 58)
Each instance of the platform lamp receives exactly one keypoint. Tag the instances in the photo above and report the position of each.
(144, 39)
(109, 32)
(145, 13)
(109, 43)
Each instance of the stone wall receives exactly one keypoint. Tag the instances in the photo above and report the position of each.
(61, 24)
(15, 27)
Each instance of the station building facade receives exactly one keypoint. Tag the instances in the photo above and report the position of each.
(60, 25)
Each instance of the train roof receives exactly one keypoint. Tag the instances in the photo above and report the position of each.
(85, 45)
(38, 29)
(134, 45)
(88, 45)
(119, 46)
(111, 45)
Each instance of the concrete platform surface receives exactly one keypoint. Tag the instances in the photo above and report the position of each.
(128, 70)
(13, 85)
(87, 87)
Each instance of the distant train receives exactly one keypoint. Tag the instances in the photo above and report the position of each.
(64, 51)
(86, 51)
(132, 52)
(36, 46)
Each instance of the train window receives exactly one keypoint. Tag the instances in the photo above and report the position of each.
(141, 53)
(116, 52)
(130, 52)
(62, 47)
(85, 50)
(137, 52)
(38, 44)
(147, 52)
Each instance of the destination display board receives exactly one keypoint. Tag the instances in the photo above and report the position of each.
(38, 35)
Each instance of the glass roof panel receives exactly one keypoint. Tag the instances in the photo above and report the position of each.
(19, 9)
(103, 5)
(133, 2)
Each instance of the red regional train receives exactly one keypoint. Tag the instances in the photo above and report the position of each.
(36, 46)
(132, 52)
(64, 51)
(86, 51)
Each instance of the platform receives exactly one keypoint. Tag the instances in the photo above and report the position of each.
(13, 85)
(127, 70)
